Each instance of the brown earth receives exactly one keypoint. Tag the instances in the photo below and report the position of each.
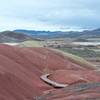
(21, 68)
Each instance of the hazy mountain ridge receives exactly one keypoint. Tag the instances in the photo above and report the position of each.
(23, 35)
(60, 34)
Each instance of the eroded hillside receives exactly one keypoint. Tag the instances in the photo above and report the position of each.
(21, 68)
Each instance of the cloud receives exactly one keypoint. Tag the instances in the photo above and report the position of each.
(49, 14)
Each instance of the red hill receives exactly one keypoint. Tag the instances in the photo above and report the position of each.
(21, 68)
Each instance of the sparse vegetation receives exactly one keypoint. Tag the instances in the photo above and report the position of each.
(31, 43)
(82, 52)
(75, 58)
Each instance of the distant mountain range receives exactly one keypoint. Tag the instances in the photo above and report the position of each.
(41, 34)
(23, 35)
(60, 34)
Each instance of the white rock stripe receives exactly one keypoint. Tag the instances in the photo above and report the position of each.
(55, 84)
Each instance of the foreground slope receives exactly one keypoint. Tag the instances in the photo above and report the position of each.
(21, 68)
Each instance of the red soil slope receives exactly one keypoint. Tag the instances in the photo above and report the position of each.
(72, 77)
(21, 68)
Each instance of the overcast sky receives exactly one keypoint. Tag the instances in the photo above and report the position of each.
(49, 14)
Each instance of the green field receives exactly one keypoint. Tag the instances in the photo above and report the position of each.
(31, 43)
(82, 53)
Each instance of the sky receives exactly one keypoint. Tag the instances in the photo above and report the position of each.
(52, 15)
